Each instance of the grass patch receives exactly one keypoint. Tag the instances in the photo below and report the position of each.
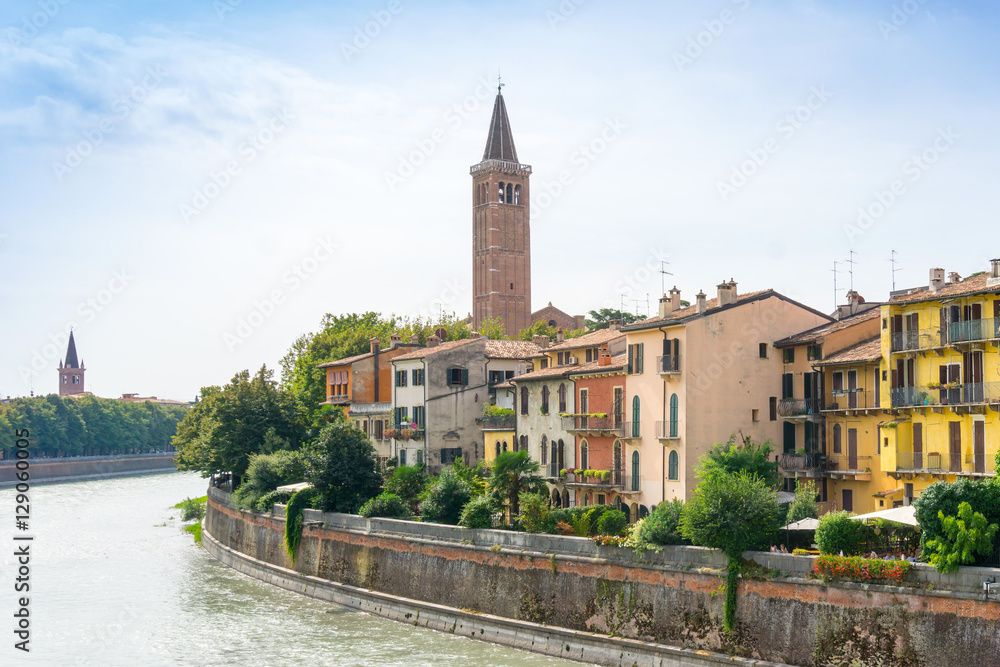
(180, 505)
(195, 530)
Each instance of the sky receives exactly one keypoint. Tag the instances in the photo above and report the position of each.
(192, 185)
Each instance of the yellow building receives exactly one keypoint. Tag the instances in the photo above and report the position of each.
(941, 380)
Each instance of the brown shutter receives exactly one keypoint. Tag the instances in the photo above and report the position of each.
(979, 445)
(918, 446)
(852, 449)
(955, 440)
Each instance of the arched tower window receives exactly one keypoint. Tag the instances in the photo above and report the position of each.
(501, 193)
(498, 448)
(672, 466)
(510, 193)
(517, 194)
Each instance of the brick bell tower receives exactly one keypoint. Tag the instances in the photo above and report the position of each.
(71, 371)
(501, 234)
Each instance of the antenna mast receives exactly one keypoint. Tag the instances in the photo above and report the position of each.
(892, 260)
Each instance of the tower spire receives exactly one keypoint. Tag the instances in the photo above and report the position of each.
(71, 359)
(500, 141)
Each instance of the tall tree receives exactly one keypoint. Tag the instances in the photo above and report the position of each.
(513, 474)
(343, 467)
(250, 415)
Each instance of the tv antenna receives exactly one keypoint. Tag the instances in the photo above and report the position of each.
(835, 291)
(663, 274)
(892, 260)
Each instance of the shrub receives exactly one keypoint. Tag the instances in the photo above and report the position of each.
(445, 500)
(408, 483)
(477, 513)
(267, 501)
(192, 510)
(612, 523)
(965, 535)
(534, 511)
(387, 505)
(661, 527)
(563, 528)
(945, 497)
(343, 468)
(838, 532)
(856, 568)
(581, 524)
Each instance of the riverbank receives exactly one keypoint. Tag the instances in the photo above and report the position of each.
(52, 471)
(550, 592)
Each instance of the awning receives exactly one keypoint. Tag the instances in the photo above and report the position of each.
(294, 488)
(904, 515)
(802, 524)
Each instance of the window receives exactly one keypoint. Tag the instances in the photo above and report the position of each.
(418, 416)
(601, 499)
(76, 379)
(418, 377)
(544, 363)
(763, 351)
(672, 466)
(589, 357)
(524, 400)
(773, 408)
(755, 415)
(635, 416)
(498, 448)
(635, 471)
(545, 450)
(813, 353)
(545, 399)
(848, 500)
(448, 455)
(788, 355)
(787, 386)
(584, 402)
(458, 377)
(584, 455)
(510, 193)
(674, 416)
(65, 380)
(400, 378)
(562, 398)
(517, 194)
(401, 416)
(837, 435)
(635, 359)
(788, 439)
(523, 440)
(505, 445)
(501, 192)
(402, 457)
(420, 457)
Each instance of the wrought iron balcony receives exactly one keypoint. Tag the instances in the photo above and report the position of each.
(808, 461)
(798, 407)
(953, 333)
(667, 364)
(588, 424)
(846, 465)
(617, 480)
(497, 423)
(849, 399)
(665, 432)
(951, 394)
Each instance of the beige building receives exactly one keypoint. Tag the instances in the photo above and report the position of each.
(701, 373)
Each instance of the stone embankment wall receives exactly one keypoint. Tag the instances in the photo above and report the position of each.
(673, 598)
(58, 470)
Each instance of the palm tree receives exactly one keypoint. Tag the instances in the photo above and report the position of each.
(513, 474)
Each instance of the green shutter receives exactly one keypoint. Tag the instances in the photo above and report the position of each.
(465, 376)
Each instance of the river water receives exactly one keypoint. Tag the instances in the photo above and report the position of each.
(116, 581)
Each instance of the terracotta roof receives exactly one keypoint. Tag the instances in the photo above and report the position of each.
(510, 349)
(542, 373)
(711, 306)
(618, 363)
(970, 285)
(345, 360)
(870, 350)
(816, 333)
(440, 347)
(593, 339)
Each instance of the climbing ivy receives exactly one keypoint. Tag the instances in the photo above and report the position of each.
(293, 520)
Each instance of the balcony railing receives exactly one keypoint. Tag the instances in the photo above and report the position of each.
(807, 461)
(846, 463)
(670, 363)
(496, 423)
(849, 399)
(617, 480)
(405, 433)
(923, 461)
(972, 393)
(631, 429)
(663, 431)
(955, 332)
(609, 425)
(798, 407)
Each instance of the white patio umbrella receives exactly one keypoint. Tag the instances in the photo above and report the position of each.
(904, 515)
(802, 524)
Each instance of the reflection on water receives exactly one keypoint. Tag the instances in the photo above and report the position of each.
(115, 581)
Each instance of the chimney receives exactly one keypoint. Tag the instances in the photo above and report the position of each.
(936, 279)
(727, 292)
(540, 340)
(995, 268)
(433, 341)
(665, 306)
(954, 278)
(394, 341)
(701, 303)
(604, 358)
(559, 336)
(615, 325)
(374, 344)
(415, 339)
(675, 298)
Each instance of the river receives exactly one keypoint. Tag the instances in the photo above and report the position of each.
(116, 581)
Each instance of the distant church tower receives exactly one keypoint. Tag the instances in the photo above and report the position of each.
(501, 243)
(71, 371)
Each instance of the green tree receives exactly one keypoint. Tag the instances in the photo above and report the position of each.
(661, 527)
(804, 505)
(741, 455)
(513, 474)
(446, 498)
(534, 511)
(964, 536)
(266, 472)
(343, 468)
(407, 482)
(734, 512)
(492, 328)
(838, 532)
(250, 415)
(601, 319)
